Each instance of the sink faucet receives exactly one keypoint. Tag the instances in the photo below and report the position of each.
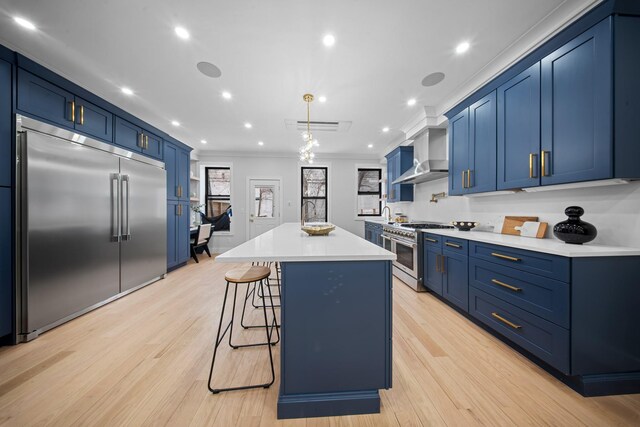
(302, 210)
(436, 196)
(389, 215)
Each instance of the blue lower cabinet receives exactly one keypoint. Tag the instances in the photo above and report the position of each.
(6, 262)
(455, 279)
(178, 233)
(543, 339)
(172, 235)
(45, 101)
(432, 279)
(93, 120)
(336, 350)
(6, 121)
(183, 233)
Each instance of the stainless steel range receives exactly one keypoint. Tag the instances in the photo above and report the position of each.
(402, 239)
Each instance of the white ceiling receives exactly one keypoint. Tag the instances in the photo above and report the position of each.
(271, 53)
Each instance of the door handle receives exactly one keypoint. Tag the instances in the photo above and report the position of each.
(115, 207)
(81, 121)
(428, 239)
(125, 208)
(543, 167)
(464, 185)
(442, 260)
(141, 140)
(453, 245)
(72, 105)
(146, 142)
(505, 321)
(532, 162)
(468, 178)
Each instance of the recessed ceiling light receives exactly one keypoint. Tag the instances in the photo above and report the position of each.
(248, 125)
(24, 23)
(127, 91)
(260, 143)
(462, 47)
(385, 129)
(370, 146)
(175, 123)
(329, 40)
(322, 99)
(182, 33)
(226, 95)
(203, 141)
(411, 102)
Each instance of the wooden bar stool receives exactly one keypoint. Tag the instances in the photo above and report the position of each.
(246, 275)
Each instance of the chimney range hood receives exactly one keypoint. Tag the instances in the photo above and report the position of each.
(429, 170)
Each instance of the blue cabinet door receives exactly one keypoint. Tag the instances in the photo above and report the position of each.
(455, 284)
(93, 120)
(39, 98)
(391, 174)
(153, 147)
(128, 135)
(6, 136)
(399, 161)
(482, 145)
(183, 234)
(432, 269)
(171, 166)
(6, 263)
(458, 153)
(172, 230)
(183, 174)
(576, 124)
(519, 130)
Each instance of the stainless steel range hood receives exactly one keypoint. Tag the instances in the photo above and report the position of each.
(428, 170)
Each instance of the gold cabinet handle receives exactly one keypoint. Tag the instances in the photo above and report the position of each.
(82, 114)
(428, 239)
(468, 178)
(453, 245)
(464, 185)
(510, 258)
(505, 321)
(442, 258)
(140, 140)
(146, 142)
(543, 168)
(504, 285)
(532, 157)
(72, 104)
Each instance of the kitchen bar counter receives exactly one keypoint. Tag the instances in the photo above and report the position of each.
(288, 243)
(335, 319)
(547, 246)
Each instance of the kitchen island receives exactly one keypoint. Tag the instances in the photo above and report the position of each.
(335, 316)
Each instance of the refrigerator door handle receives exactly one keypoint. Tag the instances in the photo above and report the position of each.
(115, 207)
(126, 235)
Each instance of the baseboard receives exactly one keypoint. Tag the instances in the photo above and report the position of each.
(328, 404)
(606, 384)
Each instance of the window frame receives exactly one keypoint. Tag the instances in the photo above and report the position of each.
(369, 193)
(303, 198)
(208, 197)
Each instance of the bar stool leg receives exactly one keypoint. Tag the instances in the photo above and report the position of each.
(274, 325)
(266, 328)
(218, 339)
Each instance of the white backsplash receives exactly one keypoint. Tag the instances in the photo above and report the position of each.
(614, 210)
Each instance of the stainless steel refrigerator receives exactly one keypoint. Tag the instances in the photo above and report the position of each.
(91, 225)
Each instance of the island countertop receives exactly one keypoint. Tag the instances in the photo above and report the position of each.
(288, 243)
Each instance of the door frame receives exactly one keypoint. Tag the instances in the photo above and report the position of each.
(249, 199)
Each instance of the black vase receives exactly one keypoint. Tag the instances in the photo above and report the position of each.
(574, 230)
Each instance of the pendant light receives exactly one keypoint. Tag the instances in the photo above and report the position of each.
(306, 151)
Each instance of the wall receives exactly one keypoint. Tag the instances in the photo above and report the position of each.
(342, 190)
(614, 210)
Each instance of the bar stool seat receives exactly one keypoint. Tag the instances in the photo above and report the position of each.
(257, 275)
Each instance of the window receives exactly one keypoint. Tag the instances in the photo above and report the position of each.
(314, 194)
(369, 192)
(263, 207)
(218, 193)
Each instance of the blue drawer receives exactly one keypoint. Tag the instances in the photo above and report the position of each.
(433, 241)
(544, 297)
(454, 245)
(552, 266)
(540, 337)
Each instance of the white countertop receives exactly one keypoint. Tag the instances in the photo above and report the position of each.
(287, 243)
(548, 246)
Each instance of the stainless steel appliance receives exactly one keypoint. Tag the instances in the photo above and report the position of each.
(403, 241)
(91, 225)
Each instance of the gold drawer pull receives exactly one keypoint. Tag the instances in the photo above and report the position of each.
(428, 239)
(505, 321)
(453, 245)
(504, 285)
(532, 156)
(510, 258)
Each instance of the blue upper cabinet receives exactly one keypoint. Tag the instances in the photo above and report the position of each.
(152, 146)
(136, 139)
(519, 130)
(6, 136)
(176, 162)
(52, 104)
(458, 153)
(472, 148)
(399, 161)
(481, 176)
(577, 140)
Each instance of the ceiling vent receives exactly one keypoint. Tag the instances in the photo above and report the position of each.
(316, 126)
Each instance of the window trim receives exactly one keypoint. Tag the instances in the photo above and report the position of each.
(326, 192)
(369, 193)
(203, 166)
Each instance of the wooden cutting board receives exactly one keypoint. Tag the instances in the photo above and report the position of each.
(511, 222)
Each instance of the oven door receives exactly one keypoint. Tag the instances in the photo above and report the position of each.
(387, 243)
(407, 256)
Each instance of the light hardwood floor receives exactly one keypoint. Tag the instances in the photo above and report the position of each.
(144, 360)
